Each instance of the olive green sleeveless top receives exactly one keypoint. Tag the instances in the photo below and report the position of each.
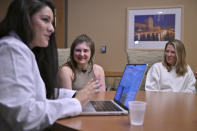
(82, 78)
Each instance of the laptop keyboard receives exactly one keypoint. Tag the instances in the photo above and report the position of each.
(104, 106)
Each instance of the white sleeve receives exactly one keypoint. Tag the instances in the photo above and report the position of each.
(190, 81)
(23, 103)
(152, 79)
(66, 93)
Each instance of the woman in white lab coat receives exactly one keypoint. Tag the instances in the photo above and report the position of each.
(28, 56)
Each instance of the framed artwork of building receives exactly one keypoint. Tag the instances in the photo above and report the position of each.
(151, 28)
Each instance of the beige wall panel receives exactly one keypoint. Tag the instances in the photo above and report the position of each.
(106, 22)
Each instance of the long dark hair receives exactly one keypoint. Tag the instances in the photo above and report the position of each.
(18, 19)
(79, 40)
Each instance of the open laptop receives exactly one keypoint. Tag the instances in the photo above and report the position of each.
(126, 91)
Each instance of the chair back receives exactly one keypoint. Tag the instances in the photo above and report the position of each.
(144, 57)
(63, 55)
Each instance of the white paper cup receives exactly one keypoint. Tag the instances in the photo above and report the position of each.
(136, 112)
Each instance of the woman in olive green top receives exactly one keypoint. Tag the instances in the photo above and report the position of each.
(80, 69)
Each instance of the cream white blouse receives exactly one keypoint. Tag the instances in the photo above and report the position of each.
(159, 79)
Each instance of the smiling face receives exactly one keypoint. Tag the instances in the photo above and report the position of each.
(42, 27)
(170, 55)
(82, 54)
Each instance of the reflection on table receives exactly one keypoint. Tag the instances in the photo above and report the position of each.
(165, 112)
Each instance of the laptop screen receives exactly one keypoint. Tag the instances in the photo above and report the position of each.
(130, 83)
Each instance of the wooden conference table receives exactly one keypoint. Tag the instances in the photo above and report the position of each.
(165, 112)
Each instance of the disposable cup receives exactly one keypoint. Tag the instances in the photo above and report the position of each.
(136, 112)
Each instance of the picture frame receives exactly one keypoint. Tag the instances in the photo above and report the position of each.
(151, 28)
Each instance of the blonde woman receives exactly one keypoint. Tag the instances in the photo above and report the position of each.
(173, 74)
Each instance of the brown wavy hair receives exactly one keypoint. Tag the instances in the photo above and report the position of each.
(80, 39)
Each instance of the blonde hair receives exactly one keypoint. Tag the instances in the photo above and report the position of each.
(181, 65)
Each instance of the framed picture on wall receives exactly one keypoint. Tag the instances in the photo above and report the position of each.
(151, 28)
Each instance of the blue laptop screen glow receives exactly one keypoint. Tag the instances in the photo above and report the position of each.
(129, 84)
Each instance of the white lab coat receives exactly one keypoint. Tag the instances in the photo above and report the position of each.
(23, 102)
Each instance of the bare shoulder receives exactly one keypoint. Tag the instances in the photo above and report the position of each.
(97, 67)
(65, 70)
(65, 77)
(98, 70)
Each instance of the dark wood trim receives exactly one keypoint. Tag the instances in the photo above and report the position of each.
(195, 74)
(113, 74)
(60, 23)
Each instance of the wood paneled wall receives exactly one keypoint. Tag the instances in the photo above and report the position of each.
(60, 23)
